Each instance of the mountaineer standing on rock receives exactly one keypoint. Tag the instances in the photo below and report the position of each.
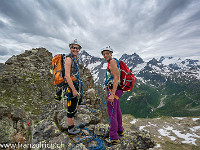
(114, 93)
(66, 79)
(71, 76)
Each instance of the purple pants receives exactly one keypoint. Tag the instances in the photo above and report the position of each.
(116, 120)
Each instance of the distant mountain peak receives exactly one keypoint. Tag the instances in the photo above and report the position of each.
(156, 68)
(166, 57)
(127, 55)
(83, 52)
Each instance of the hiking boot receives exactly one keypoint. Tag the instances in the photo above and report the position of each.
(57, 97)
(120, 133)
(114, 142)
(73, 131)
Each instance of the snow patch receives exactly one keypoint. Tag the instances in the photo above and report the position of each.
(195, 119)
(158, 145)
(141, 128)
(188, 138)
(129, 98)
(180, 118)
(93, 65)
(134, 121)
(195, 128)
(105, 65)
(138, 68)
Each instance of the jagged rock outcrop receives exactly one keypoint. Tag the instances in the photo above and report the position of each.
(45, 129)
(26, 81)
(36, 118)
(12, 121)
(32, 60)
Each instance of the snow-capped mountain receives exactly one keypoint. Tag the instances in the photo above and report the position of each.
(89, 61)
(155, 69)
(188, 67)
(168, 67)
(131, 60)
(97, 66)
(165, 86)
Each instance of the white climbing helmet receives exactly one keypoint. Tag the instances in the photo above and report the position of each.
(75, 43)
(106, 48)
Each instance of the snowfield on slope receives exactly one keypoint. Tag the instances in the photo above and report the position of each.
(174, 129)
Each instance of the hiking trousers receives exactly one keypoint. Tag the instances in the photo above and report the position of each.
(74, 101)
(116, 120)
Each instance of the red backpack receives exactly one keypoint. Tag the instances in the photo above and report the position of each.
(127, 79)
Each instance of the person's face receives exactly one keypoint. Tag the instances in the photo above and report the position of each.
(107, 55)
(75, 49)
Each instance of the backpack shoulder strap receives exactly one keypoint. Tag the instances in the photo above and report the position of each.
(116, 61)
(69, 55)
(107, 80)
(75, 66)
(108, 65)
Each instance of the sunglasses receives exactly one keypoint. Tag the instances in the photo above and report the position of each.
(75, 47)
(105, 53)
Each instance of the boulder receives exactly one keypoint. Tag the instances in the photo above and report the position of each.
(7, 130)
(45, 129)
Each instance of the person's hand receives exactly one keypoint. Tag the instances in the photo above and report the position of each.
(75, 93)
(111, 98)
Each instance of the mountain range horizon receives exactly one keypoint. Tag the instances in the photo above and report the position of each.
(147, 59)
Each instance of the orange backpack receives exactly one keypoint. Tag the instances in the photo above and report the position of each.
(58, 70)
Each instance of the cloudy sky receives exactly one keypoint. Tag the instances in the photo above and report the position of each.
(150, 28)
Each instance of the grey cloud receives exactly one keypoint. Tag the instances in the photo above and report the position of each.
(195, 17)
(2, 25)
(32, 17)
(167, 10)
(3, 51)
(18, 12)
(128, 26)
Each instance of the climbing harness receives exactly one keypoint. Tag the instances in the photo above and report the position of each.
(66, 99)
